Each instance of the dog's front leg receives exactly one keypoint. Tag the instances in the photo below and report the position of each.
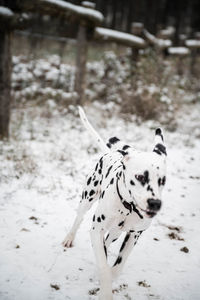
(97, 237)
(128, 243)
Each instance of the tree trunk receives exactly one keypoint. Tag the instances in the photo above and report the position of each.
(5, 85)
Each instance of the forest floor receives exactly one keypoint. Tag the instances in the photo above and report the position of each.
(43, 168)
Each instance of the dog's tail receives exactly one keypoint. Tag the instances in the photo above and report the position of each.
(92, 131)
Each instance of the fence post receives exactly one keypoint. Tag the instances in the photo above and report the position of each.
(136, 29)
(5, 82)
(81, 58)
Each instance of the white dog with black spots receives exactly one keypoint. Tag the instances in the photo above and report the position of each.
(127, 184)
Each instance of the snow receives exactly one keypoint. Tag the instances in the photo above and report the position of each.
(43, 168)
(181, 51)
(120, 37)
(6, 12)
(192, 43)
(167, 32)
(88, 4)
(160, 43)
(89, 13)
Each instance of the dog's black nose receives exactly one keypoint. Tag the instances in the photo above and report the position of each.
(154, 204)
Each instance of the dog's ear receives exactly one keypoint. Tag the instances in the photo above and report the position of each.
(159, 146)
(125, 155)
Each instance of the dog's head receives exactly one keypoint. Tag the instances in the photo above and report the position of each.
(145, 175)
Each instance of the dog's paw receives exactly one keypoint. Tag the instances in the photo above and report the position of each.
(115, 273)
(107, 296)
(68, 241)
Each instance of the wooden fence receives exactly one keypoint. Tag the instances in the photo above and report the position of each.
(89, 21)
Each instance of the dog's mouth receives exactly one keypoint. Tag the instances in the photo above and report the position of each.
(149, 213)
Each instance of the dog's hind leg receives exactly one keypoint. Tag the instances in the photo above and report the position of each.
(129, 242)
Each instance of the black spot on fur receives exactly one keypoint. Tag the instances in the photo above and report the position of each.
(90, 199)
(99, 219)
(146, 175)
(159, 132)
(161, 181)
(103, 217)
(102, 195)
(86, 194)
(143, 179)
(96, 167)
(96, 182)
(89, 180)
(100, 171)
(93, 218)
(160, 149)
(124, 242)
(124, 167)
(132, 182)
(107, 236)
(92, 192)
(122, 152)
(118, 261)
(108, 171)
(105, 249)
(164, 180)
(114, 240)
(125, 147)
(121, 223)
(112, 180)
(108, 145)
(101, 163)
(113, 140)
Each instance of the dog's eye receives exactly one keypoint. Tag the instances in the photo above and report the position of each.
(141, 178)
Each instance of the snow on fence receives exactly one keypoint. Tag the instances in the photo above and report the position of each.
(5, 13)
(154, 41)
(178, 51)
(89, 20)
(123, 38)
(89, 14)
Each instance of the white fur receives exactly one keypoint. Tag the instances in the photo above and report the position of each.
(111, 183)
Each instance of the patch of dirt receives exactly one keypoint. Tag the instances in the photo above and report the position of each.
(143, 284)
(175, 236)
(120, 288)
(93, 291)
(184, 249)
(55, 286)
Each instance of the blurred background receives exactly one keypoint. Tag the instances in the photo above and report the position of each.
(75, 52)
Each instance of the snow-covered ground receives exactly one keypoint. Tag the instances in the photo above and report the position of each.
(43, 167)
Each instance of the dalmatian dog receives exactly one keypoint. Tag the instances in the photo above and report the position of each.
(127, 184)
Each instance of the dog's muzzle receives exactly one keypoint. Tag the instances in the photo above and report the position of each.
(154, 206)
